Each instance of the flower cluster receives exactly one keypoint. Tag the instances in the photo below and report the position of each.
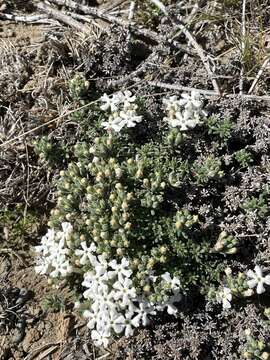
(123, 111)
(53, 252)
(184, 113)
(113, 298)
(242, 286)
(116, 307)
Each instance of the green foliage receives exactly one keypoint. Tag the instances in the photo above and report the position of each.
(243, 157)
(78, 88)
(226, 244)
(257, 204)
(51, 153)
(53, 303)
(255, 348)
(207, 169)
(148, 13)
(220, 127)
(119, 200)
(18, 228)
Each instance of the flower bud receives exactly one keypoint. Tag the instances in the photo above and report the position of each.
(113, 243)
(124, 205)
(68, 216)
(151, 263)
(128, 226)
(130, 196)
(139, 174)
(163, 249)
(62, 173)
(135, 262)
(248, 293)
(163, 259)
(118, 186)
(104, 235)
(112, 161)
(247, 355)
(146, 183)
(77, 262)
(231, 251)
(130, 161)
(97, 140)
(109, 142)
(265, 355)
(147, 288)
(95, 160)
(228, 271)
(67, 185)
(118, 173)
(179, 224)
(126, 243)
(120, 252)
(108, 173)
(114, 209)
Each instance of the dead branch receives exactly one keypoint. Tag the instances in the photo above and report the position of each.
(62, 17)
(109, 18)
(206, 93)
(200, 53)
(194, 43)
(25, 18)
(257, 78)
(241, 81)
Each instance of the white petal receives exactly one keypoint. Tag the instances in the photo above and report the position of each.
(251, 274)
(252, 283)
(258, 271)
(226, 304)
(267, 279)
(260, 288)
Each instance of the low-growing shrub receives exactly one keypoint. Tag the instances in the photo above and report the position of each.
(131, 232)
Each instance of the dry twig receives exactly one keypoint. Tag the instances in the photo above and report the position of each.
(39, 18)
(194, 43)
(257, 78)
(59, 15)
(241, 81)
(67, 113)
(206, 93)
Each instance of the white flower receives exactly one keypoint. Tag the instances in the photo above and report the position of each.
(184, 113)
(121, 270)
(225, 297)
(129, 118)
(61, 266)
(125, 291)
(67, 228)
(257, 279)
(86, 254)
(128, 98)
(100, 339)
(192, 100)
(174, 282)
(123, 111)
(42, 265)
(116, 322)
(143, 311)
(110, 103)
